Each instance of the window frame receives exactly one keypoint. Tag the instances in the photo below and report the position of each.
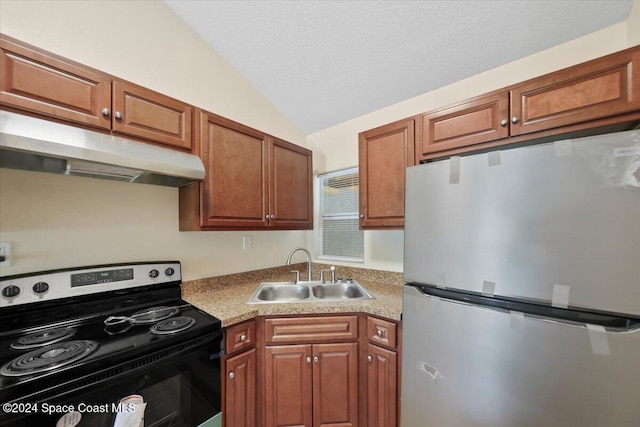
(322, 217)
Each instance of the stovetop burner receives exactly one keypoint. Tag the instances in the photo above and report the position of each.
(50, 357)
(154, 314)
(173, 325)
(43, 338)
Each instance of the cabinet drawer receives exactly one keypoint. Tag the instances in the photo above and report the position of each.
(240, 337)
(381, 332)
(310, 329)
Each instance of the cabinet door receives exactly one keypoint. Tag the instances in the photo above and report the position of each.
(335, 384)
(146, 114)
(384, 154)
(233, 193)
(46, 84)
(381, 387)
(474, 122)
(240, 390)
(596, 89)
(291, 201)
(288, 399)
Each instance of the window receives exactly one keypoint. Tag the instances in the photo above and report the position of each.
(340, 236)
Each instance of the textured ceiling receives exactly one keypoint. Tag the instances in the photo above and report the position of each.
(324, 62)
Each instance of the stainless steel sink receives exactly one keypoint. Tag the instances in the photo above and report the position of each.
(314, 291)
(273, 292)
(339, 291)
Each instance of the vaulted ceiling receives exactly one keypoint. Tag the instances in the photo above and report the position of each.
(324, 62)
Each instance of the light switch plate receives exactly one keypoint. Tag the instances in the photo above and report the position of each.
(246, 242)
(5, 251)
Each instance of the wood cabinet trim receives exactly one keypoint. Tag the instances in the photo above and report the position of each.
(311, 329)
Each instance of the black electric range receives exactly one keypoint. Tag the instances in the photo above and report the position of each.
(76, 342)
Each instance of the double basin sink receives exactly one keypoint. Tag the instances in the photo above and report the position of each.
(314, 291)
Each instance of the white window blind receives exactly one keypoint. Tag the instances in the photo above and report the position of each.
(341, 237)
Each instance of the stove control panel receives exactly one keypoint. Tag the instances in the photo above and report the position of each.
(57, 284)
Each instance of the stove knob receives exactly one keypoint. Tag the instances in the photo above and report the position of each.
(154, 273)
(169, 271)
(40, 287)
(10, 291)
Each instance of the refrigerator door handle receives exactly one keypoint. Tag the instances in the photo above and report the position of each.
(612, 322)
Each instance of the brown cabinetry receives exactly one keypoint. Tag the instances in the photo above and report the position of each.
(384, 153)
(601, 88)
(42, 83)
(146, 114)
(45, 84)
(473, 122)
(240, 376)
(253, 181)
(309, 380)
(382, 373)
(588, 96)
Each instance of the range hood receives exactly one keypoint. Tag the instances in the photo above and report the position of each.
(39, 145)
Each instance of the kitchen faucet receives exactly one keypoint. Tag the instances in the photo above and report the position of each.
(308, 261)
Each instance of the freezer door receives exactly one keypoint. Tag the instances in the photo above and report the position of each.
(471, 366)
(527, 219)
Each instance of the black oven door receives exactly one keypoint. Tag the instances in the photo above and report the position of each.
(182, 389)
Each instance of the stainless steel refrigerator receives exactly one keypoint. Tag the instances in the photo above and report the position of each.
(521, 305)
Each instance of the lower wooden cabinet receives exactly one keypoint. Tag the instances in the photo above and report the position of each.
(240, 376)
(381, 387)
(240, 386)
(311, 385)
(313, 371)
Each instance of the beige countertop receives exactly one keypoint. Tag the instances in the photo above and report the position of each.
(228, 302)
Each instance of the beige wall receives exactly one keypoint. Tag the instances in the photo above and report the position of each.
(633, 24)
(55, 221)
(337, 147)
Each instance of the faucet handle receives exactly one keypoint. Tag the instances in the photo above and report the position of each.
(297, 276)
(331, 270)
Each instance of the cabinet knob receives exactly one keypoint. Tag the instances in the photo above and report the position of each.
(370, 359)
(308, 359)
(118, 115)
(272, 217)
(106, 112)
(514, 119)
(315, 359)
(380, 333)
(243, 338)
(504, 122)
(361, 216)
(231, 375)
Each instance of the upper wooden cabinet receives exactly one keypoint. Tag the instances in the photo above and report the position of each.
(596, 94)
(46, 84)
(601, 88)
(253, 181)
(481, 120)
(43, 83)
(146, 114)
(291, 201)
(384, 153)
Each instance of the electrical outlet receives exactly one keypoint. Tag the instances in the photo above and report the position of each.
(5, 254)
(246, 242)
